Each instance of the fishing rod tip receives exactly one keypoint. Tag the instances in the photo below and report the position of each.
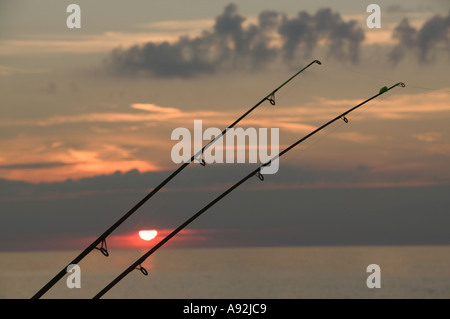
(317, 61)
(400, 84)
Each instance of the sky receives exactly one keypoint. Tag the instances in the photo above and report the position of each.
(86, 117)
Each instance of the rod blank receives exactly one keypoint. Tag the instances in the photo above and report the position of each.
(256, 172)
(102, 238)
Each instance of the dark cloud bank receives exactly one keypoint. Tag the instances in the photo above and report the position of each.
(434, 34)
(231, 45)
(42, 216)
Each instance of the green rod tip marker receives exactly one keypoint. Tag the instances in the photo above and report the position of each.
(383, 89)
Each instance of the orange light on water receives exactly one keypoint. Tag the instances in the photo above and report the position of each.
(147, 234)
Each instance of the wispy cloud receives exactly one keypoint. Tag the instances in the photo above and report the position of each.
(185, 26)
(397, 106)
(9, 70)
(70, 163)
(294, 118)
(29, 165)
(155, 108)
(428, 136)
(117, 146)
(81, 44)
(355, 137)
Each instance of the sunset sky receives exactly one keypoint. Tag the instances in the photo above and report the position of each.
(86, 117)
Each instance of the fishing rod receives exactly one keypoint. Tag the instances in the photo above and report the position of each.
(101, 240)
(256, 172)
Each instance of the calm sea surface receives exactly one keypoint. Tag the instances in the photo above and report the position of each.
(275, 272)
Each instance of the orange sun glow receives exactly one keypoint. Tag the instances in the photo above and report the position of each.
(147, 234)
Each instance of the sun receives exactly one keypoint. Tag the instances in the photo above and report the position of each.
(147, 234)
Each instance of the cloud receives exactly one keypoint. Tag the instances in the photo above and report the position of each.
(38, 165)
(305, 31)
(51, 88)
(424, 41)
(428, 136)
(154, 108)
(153, 113)
(73, 163)
(399, 106)
(299, 196)
(127, 140)
(80, 44)
(231, 45)
(355, 137)
(179, 25)
(8, 70)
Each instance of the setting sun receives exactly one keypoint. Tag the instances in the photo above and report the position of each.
(148, 234)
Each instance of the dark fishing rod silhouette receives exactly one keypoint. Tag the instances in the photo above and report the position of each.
(256, 172)
(101, 240)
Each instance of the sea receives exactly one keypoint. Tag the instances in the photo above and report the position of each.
(401, 272)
